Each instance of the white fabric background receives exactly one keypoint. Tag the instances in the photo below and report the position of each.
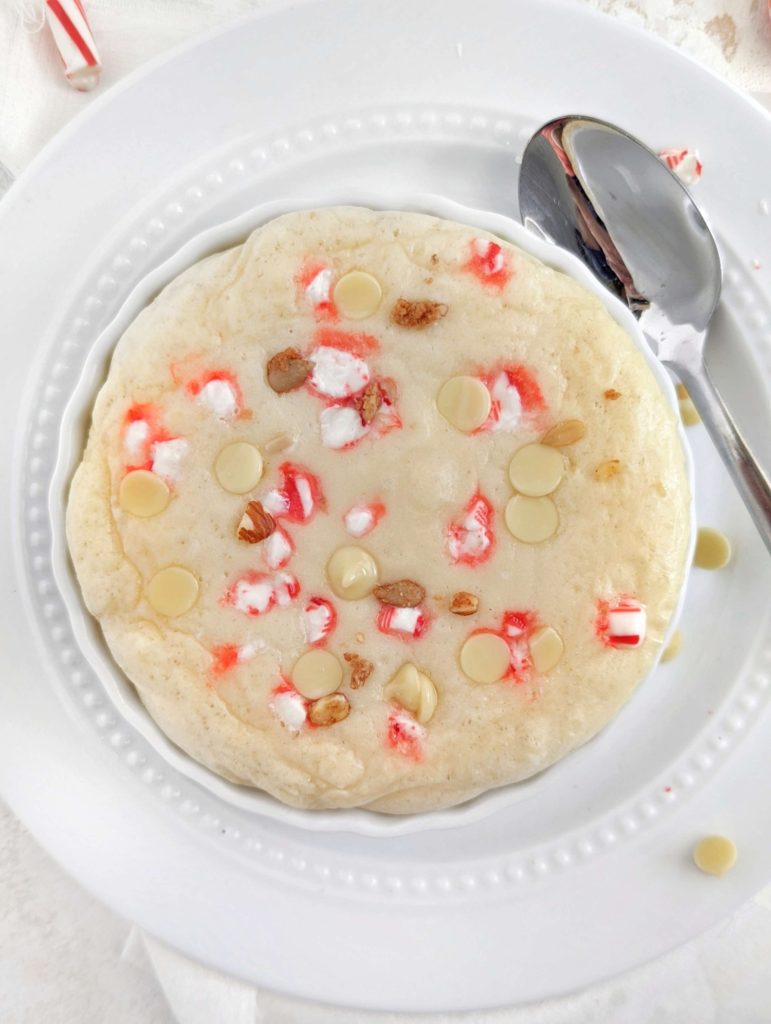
(65, 959)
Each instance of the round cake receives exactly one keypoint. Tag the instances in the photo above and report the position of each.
(378, 510)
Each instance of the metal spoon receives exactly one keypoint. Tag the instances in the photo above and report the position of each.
(600, 193)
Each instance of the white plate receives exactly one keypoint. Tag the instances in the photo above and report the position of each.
(586, 872)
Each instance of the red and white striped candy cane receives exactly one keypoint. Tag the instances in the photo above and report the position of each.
(75, 43)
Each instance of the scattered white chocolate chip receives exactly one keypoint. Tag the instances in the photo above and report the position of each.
(172, 591)
(352, 572)
(713, 549)
(330, 709)
(238, 467)
(413, 690)
(485, 658)
(357, 295)
(546, 649)
(143, 494)
(673, 647)
(536, 470)
(714, 855)
(316, 674)
(464, 402)
(531, 520)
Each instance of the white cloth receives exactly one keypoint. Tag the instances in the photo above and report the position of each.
(64, 959)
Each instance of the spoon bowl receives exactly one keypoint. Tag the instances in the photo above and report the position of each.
(598, 192)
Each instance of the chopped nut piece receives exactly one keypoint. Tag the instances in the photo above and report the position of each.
(359, 638)
(368, 402)
(607, 469)
(256, 524)
(328, 710)
(464, 603)
(401, 593)
(564, 433)
(417, 315)
(361, 669)
(279, 443)
(611, 394)
(288, 370)
(434, 259)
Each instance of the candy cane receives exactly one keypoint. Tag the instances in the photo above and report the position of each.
(75, 43)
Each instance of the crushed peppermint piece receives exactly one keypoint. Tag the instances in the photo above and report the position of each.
(289, 707)
(621, 622)
(405, 735)
(219, 392)
(278, 549)
(685, 163)
(362, 519)
(341, 427)
(256, 593)
(402, 622)
(470, 539)
(319, 618)
(489, 262)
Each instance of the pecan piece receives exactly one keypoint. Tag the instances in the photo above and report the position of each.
(330, 709)
(256, 524)
(464, 603)
(611, 394)
(417, 315)
(287, 370)
(368, 402)
(361, 669)
(401, 593)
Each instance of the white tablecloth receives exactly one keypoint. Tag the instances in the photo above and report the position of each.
(65, 959)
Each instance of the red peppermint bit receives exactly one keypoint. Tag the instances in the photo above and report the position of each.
(224, 657)
(489, 263)
(255, 593)
(405, 735)
(301, 491)
(402, 622)
(470, 539)
(516, 629)
(277, 549)
(141, 430)
(620, 622)
(319, 619)
(362, 519)
(514, 393)
(230, 410)
(289, 706)
(358, 344)
(315, 280)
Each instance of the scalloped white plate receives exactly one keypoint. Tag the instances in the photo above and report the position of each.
(577, 874)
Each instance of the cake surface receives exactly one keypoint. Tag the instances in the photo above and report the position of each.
(378, 510)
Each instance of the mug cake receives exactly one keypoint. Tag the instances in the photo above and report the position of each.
(378, 510)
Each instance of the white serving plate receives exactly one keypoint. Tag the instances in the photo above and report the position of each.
(72, 436)
(582, 872)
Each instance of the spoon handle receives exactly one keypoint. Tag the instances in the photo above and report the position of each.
(748, 475)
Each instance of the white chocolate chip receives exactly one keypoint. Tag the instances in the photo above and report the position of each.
(173, 591)
(713, 549)
(357, 295)
(464, 402)
(546, 649)
(316, 674)
(714, 855)
(143, 494)
(238, 467)
(531, 520)
(352, 572)
(413, 690)
(485, 658)
(536, 470)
